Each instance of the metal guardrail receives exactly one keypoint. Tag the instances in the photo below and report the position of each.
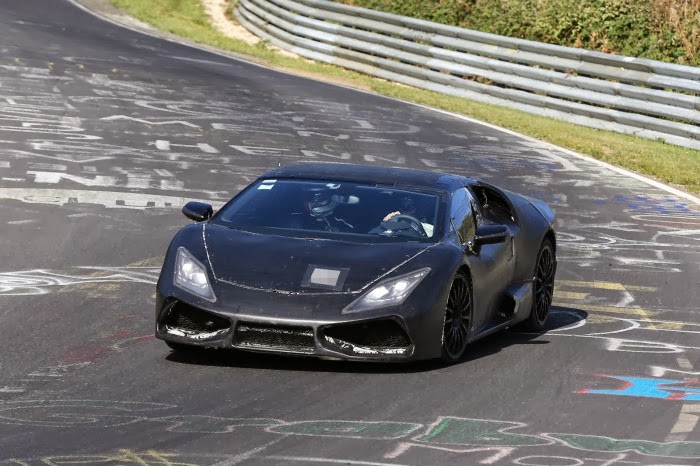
(646, 98)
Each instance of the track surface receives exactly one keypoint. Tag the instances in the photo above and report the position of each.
(105, 132)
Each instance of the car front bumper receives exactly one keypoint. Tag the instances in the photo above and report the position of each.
(256, 323)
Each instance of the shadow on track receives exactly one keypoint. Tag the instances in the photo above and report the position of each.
(560, 317)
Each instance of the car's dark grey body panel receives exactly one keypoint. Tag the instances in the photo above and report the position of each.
(497, 264)
(258, 278)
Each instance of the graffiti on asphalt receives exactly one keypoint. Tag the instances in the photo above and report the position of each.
(496, 439)
(116, 458)
(640, 333)
(666, 389)
(41, 281)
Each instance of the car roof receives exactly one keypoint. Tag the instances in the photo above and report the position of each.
(372, 174)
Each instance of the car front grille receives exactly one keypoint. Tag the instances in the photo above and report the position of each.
(274, 337)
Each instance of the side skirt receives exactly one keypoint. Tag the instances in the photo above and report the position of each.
(513, 308)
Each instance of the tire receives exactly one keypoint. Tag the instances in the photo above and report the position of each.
(457, 319)
(543, 286)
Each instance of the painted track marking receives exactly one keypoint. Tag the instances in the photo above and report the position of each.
(688, 417)
(248, 454)
(309, 459)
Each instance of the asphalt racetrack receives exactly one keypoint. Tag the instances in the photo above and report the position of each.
(106, 132)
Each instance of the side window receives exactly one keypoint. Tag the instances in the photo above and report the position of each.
(462, 214)
(493, 205)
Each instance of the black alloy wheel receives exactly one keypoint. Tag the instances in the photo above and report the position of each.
(458, 319)
(543, 286)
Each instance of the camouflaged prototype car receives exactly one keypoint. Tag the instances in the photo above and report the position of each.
(357, 262)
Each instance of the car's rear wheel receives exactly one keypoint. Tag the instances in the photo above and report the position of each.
(458, 319)
(543, 286)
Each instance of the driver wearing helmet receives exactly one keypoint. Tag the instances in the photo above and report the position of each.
(408, 207)
(320, 204)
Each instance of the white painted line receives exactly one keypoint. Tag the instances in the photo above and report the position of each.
(642, 262)
(109, 199)
(497, 453)
(687, 420)
(400, 449)
(150, 122)
(21, 222)
(633, 325)
(668, 329)
(680, 233)
(206, 62)
(626, 299)
(573, 326)
(622, 171)
(567, 164)
(674, 322)
(658, 371)
(246, 455)
(7, 389)
(645, 346)
(619, 459)
(684, 363)
(309, 459)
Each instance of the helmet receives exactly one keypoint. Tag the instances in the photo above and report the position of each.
(319, 202)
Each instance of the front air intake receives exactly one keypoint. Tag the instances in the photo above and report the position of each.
(268, 337)
(192, 322)
(378, 337)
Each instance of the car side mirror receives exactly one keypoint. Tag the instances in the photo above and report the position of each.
(490, 234)
(197, 211)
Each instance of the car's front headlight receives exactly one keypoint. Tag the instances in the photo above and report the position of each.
(389, 292)
(190, 275)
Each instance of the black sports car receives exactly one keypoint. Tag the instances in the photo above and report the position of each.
(357, 262)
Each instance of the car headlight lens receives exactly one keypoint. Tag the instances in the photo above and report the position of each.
(190, 275)
(389, 292)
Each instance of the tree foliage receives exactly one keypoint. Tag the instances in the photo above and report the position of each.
(667, 30)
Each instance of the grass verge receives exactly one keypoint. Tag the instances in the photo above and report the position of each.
(671, 164)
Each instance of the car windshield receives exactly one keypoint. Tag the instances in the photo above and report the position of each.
(323, 209)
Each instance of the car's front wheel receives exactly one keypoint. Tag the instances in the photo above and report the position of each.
(543, 287)
(458, 319)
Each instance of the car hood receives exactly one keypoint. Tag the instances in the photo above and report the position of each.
(301, 265)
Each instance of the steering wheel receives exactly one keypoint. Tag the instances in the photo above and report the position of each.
(415, 223)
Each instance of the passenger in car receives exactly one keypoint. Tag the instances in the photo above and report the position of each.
(408, 207)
